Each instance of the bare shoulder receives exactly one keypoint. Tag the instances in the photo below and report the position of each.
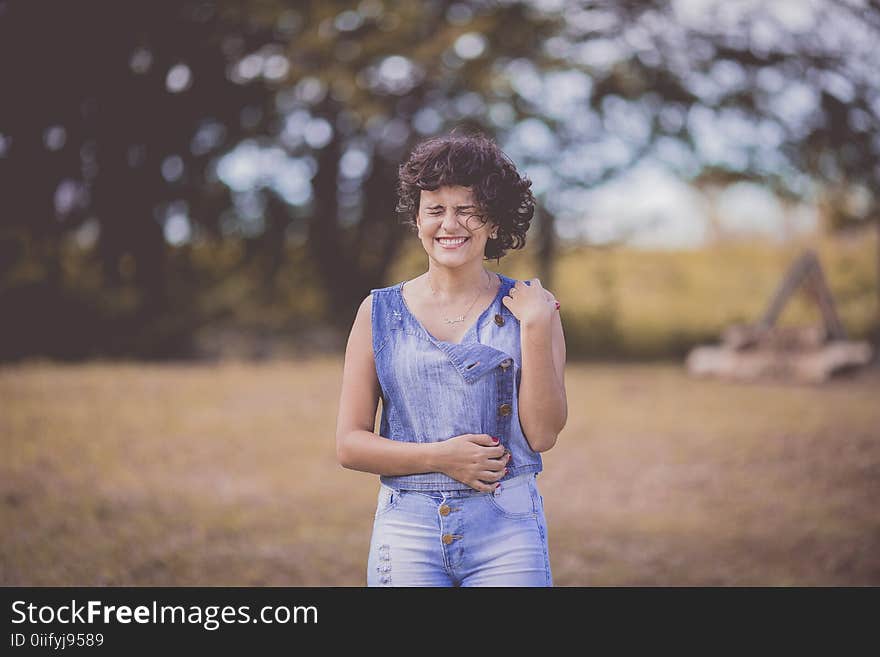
(365, 310)
(359, 357)
(362, 330)
(360, 386)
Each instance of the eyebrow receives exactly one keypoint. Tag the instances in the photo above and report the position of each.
(457, 207)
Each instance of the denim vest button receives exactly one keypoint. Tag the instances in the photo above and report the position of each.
(506, 363)
(444, 510)
(499, 320)
(505, 409)
(447, 539)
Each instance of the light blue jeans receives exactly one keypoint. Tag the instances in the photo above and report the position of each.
(460, 537)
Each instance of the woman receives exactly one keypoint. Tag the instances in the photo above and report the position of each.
(469, 365)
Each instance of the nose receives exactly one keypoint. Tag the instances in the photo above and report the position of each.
(450, 222)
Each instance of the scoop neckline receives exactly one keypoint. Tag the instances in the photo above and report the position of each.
(471, 328)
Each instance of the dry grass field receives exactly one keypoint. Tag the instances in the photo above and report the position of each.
(133, 474)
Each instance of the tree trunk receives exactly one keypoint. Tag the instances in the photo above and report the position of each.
(546, 252)
(380, 233)
(325, 245)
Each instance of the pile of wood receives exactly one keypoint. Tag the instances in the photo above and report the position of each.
(809, 354)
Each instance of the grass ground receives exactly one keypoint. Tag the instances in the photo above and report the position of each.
(133, 474)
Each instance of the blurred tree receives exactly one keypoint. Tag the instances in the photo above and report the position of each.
(783, 93)
(258, 119)
(113, 111)
(377, 76)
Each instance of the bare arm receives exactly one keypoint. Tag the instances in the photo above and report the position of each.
(543, 407)
(471, 458)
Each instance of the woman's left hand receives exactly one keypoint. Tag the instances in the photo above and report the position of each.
(530, 303)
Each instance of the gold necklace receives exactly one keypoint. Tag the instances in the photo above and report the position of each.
(460, 318)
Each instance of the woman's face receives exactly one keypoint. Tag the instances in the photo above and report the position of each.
(452, 212)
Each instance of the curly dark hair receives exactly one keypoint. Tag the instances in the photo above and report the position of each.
(474, 161)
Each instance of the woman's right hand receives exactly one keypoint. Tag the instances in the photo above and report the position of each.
(475, 459)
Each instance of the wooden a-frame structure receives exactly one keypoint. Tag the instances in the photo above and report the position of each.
(763, 350)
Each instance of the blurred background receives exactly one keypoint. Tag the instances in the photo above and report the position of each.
(196, 196)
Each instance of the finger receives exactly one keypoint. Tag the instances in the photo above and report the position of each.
(505, 458)
(483, 487)
(495, 466)
(490, 477)
(536, 282)
(495, 452)
(485, 440)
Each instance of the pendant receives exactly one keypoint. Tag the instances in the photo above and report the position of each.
(453, 321)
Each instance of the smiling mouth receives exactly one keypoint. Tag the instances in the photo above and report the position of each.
(451, 243)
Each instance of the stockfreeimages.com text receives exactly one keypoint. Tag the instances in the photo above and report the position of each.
(210, 617)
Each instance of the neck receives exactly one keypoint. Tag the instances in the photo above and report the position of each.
(459, 282)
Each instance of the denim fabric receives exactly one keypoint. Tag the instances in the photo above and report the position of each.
(433, 390)
(460, 537)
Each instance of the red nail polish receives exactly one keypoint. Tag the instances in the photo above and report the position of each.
(494, 439)
(505, 470)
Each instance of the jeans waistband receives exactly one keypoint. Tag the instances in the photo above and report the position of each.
(506, 484)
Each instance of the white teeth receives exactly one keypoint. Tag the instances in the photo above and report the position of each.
(451, 240)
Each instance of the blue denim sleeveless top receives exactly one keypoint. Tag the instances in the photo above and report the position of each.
(434, 390)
